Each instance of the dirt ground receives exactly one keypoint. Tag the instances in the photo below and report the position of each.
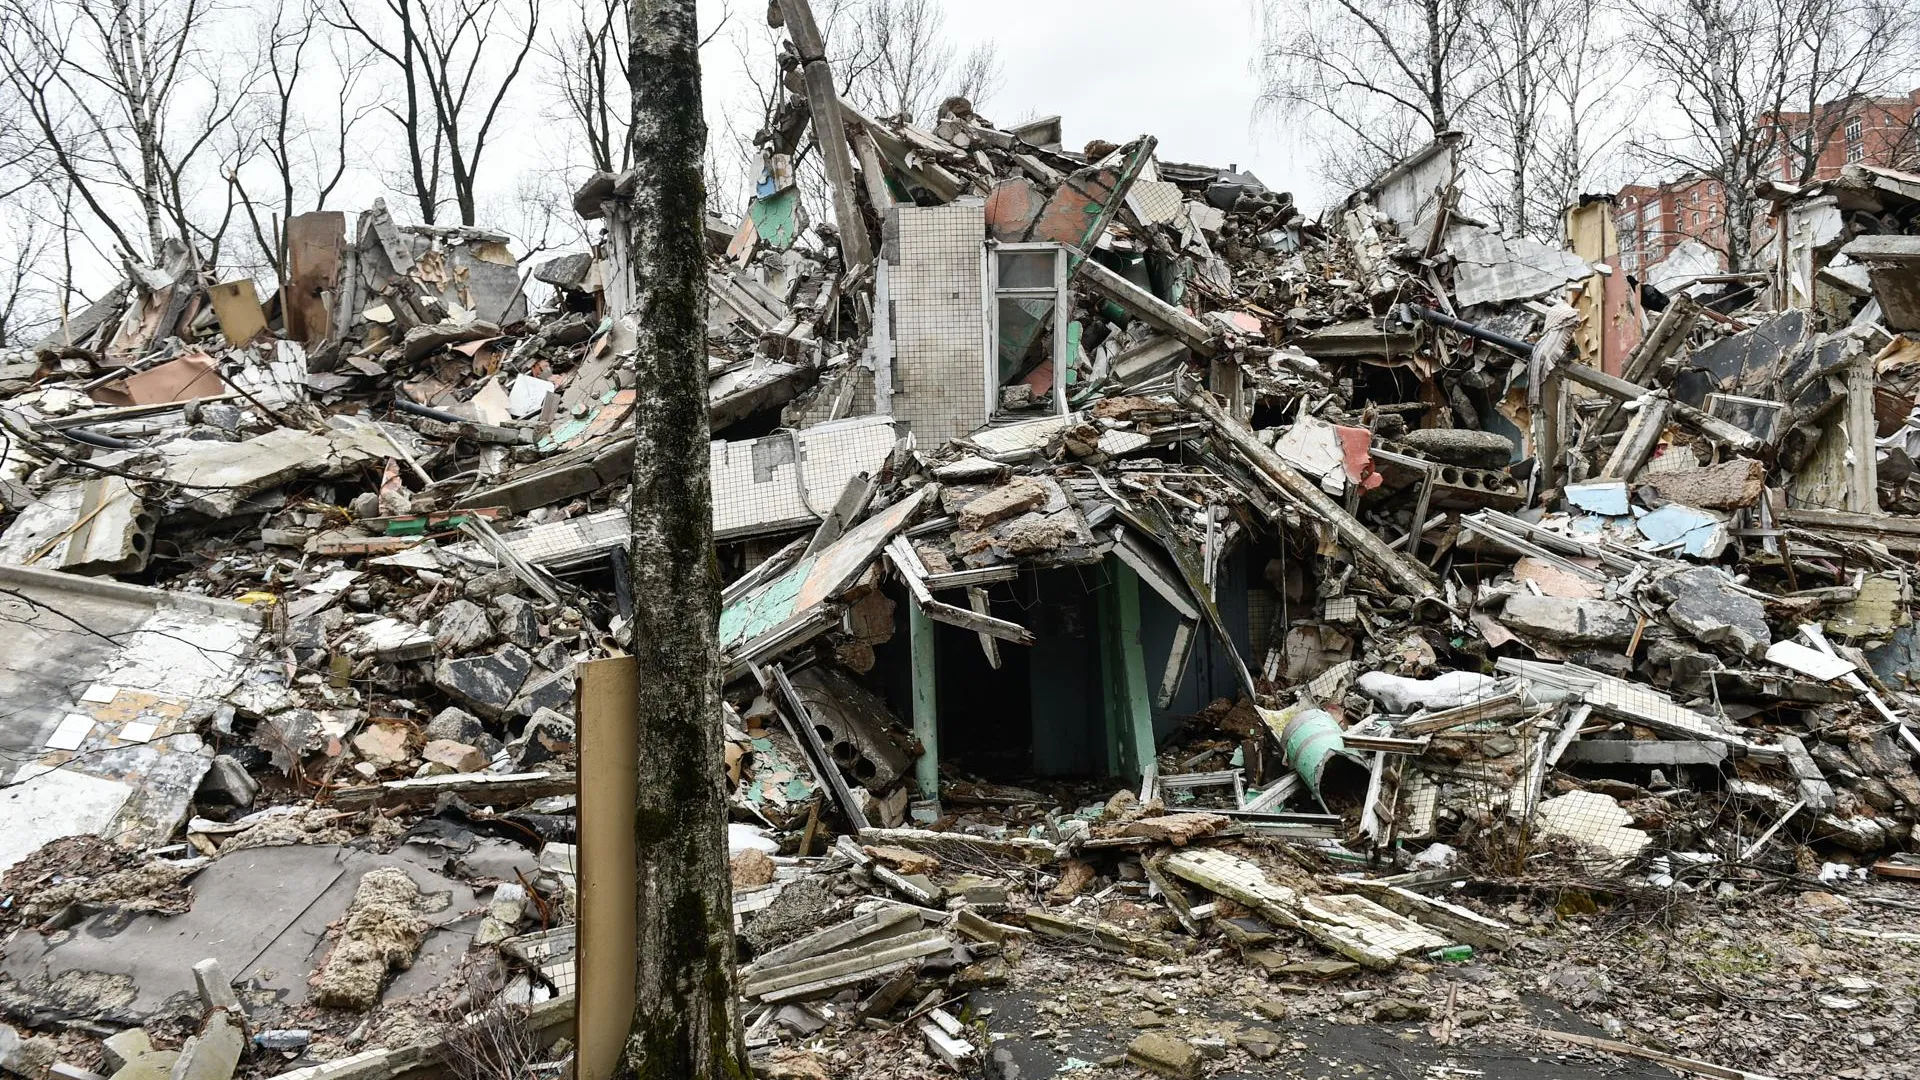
(1786, 983)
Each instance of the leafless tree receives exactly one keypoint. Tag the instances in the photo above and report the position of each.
(586, 62)
(978, 75)
(303, 130)
(1592, 111)
(1383, 76)
(903, 64)
(26, 306)
(457, 61)
(1849, 51)
(1735, 69)
(125, 103)
(1552, 104)
(685, 1020)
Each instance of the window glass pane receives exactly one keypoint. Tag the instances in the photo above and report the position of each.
(1026, 269)
(1025, 327)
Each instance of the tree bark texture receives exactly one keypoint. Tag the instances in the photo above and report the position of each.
(685, 1023)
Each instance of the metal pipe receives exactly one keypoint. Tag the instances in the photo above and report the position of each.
(94, 438)
(1491, 337)
(406, 406)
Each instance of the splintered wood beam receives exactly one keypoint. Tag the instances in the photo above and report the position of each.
(1410, 574)
(907, 564)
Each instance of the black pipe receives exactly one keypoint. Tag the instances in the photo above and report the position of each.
(1491, 337)
(406, 406)
(94, 438)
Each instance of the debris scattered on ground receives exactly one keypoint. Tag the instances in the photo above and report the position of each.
(1159, 625)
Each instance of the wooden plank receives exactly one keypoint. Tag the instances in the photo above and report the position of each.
(979, 624)
(1637, 444)
(238, 309)
(1862, 463)
(977, 600)
(1100, 935)
(1353, 926)
(1412, 576)
(1144, 305)
(1712, 427)
(608, 909)
(1500, 707)
(1176, 901)
(859, 963)
(488, 788)
(967, 579)
(316, 242)
(837, 936)
(1455, 921)
(962, 848)
(1672, 1061)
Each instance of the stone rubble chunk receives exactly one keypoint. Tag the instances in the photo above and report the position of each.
(381, 934)
(460, 628)
(486, 684)
(458, 756)
(1570, 621)
(1165, 1055)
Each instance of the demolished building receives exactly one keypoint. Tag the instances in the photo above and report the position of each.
(1386, 566)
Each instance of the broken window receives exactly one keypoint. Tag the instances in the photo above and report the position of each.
(1027, 365)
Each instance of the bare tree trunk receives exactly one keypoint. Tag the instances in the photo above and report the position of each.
(685, 1023)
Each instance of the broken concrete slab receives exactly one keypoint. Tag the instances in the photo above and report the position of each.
(1705, 602)
(1659, 753)
(104, 661)
(460, 628)
(1165, 1055)
(1570, 621)
(214, 1053)
(383, 745)
(27, 1057)
(1176, 829)
(788, 479)
(217, 477)
(1490, 268)
(125, 969)
(1352, 926)
(1465, 447)
(388, 639)
(457, 756)
(1595, 820)
(1011, 499)
(97, 526)
(1728, 485)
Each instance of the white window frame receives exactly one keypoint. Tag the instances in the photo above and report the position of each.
(991, 297)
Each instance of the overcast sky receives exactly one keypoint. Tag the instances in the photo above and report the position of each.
(1114, 69)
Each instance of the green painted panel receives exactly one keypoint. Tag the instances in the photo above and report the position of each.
(777, 218)
(764, 608)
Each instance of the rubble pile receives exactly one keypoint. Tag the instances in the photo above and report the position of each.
(1290, 614)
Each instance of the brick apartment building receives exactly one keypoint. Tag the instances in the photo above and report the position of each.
(1876, 131)
(1653, 220)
